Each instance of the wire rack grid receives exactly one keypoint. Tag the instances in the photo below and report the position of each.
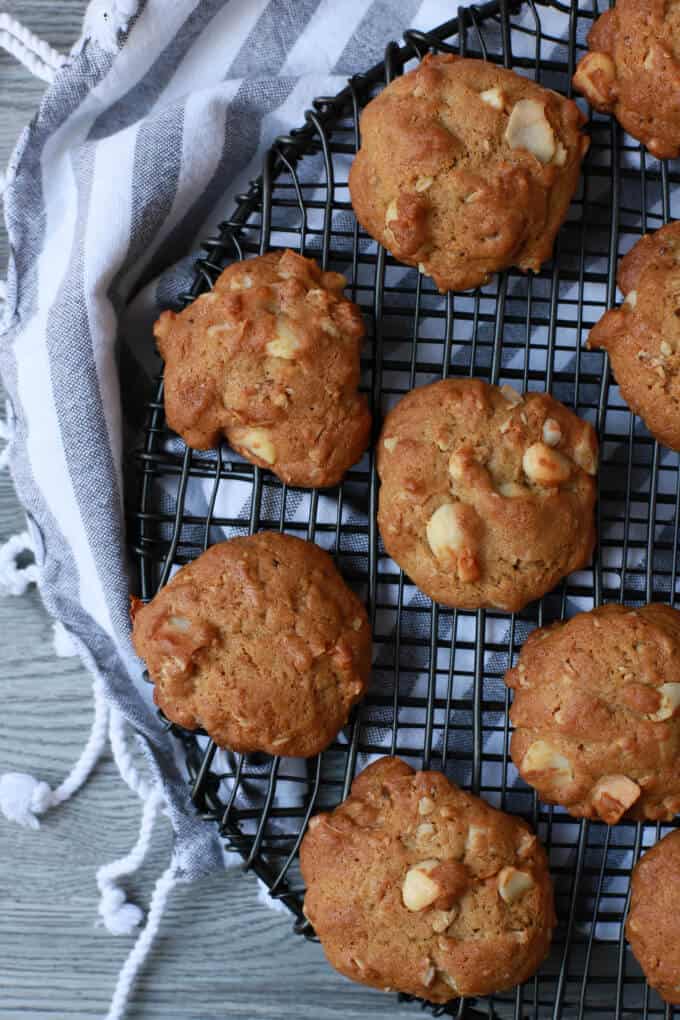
(437, 697)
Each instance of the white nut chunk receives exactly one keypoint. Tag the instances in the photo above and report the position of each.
(670, 701)
(477, 839)
(449, 538)
(526, 845)
(244, 282)
(511, 395)
(390, 443)
(492, 97)
(391, 213)
(631, 298)
(180, 623)
(542, 757)
(512, 490)
(423, 183)
(256, 441)
(545, 466)
(448, 980)
(552, 433)
(285, 344)
(425, 832)
(441, 919)
(612, 796)
(419, 890)
(328, 326)
(528, 128)
(560, 158)
(425, 806)
(513, 884)
(594, 77)
(585, 453)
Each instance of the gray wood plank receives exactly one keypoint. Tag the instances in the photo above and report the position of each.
(220, 953)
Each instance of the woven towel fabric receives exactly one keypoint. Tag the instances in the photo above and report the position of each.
(139, 145)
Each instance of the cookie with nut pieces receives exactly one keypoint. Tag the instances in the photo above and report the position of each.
(270, 359)
(466, 168)
(487, 496)
(416, 886)
(208, 639)
(653, 925)
(642, 336)
(633, 71)
(596, 713)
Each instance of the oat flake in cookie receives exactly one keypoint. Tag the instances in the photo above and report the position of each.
(415, 886)
(642, 336)
(270, 359)
(597, 713)
(487, 497)
(260, 642)
(633, 71)
(653, 925)
(466, 168)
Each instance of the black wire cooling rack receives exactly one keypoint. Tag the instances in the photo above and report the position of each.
(437, 697)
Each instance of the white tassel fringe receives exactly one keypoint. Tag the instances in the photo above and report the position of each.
(119, 916)
(23, 798)
(14, 580)
(142, 946)
(34, 53)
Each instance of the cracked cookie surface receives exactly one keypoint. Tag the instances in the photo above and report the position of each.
(487, 496)
(633, 71)
(642, 336)
(596, 713)
(259, 641)
(416, 886)
(653, 928)
(270, 359)
(466, 168)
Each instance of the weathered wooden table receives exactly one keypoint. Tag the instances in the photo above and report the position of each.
(219, 953)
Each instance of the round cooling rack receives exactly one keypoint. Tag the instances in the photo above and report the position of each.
(437, 696)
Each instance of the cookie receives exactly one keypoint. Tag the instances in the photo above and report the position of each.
(487, 496)
(653, 925)
(270, 359)
(466, 168)
(260, 642)
(632, 71)
(414, 885)
(597, 713)
(642, 336)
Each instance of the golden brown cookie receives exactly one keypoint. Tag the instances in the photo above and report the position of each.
(653, 925)
(260, 642)
(270, 358)
(633, 71)
(487, 497)
(414, 885)
(466, 168)
(597, 713)
(642, 336)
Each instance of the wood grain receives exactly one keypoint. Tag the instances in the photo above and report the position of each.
(220, 953)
